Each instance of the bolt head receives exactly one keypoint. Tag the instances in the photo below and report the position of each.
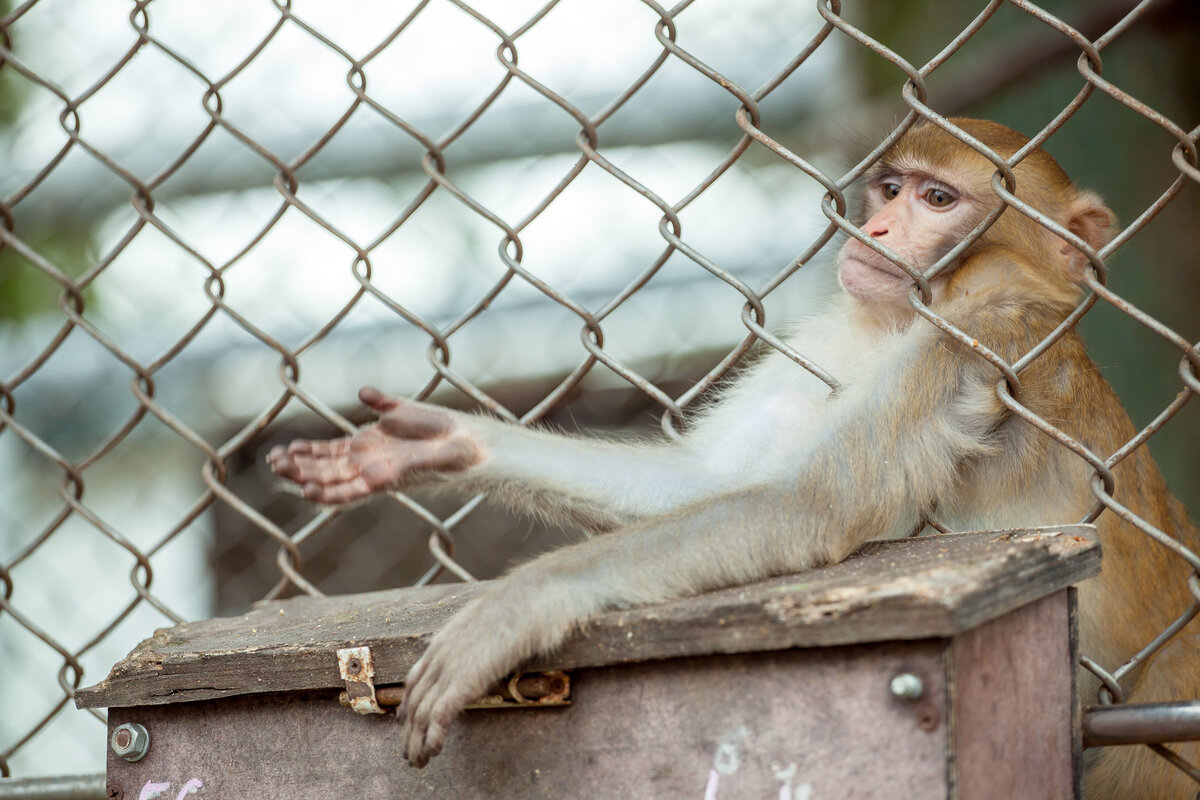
(130, 741)
(907, 686)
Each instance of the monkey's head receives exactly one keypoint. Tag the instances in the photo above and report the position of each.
(930, 190)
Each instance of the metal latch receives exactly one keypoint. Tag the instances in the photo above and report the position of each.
(358, 671)
(530, 689)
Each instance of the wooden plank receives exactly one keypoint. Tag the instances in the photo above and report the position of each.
(929, 586)
(801, 723)
(1011, 690)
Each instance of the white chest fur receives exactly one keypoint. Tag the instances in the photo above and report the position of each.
(764, 424)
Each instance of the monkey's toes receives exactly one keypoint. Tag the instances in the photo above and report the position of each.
(415, 750)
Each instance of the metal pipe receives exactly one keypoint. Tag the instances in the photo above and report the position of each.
(57, 787)
(1141, 723)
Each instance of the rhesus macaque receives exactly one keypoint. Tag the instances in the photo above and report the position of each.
(780, 475)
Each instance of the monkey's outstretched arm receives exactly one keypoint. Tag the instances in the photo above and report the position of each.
(879, 467)
(591, 482)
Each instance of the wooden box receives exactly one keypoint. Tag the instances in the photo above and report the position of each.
(940, 666)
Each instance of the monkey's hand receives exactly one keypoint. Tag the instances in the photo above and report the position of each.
(486, 640)
(409, 439)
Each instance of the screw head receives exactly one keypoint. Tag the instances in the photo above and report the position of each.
(130, 741)
(927, 718)
(907, 686)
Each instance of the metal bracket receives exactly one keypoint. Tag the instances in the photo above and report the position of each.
(358, 671)
(527, 690)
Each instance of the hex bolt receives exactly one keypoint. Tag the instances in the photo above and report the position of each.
(130, 741)
(907, 686)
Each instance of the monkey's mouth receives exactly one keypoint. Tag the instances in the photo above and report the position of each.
(869, 276)
(876, 265)
(864, 256)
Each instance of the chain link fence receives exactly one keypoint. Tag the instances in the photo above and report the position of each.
(219, 221)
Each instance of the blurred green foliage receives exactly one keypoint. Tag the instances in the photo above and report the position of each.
(26, 290)
(10, 89)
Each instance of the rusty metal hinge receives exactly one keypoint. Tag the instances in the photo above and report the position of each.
(357, 669)
(530, 689)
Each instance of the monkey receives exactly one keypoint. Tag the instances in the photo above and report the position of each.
(780, 473)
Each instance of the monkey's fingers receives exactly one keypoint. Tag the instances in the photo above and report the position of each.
(428, 722)
(441, 683)
(297, 462)
(318, 448)
(436, 729)
(412, 689)
(382, 403)
(277, 453)
(303, 468)
(283, 464)
(414, 749)
(355, 476)
(337, 494)
(414, 729)
(421, 686)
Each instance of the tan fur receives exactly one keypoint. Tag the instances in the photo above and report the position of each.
(1142, 586)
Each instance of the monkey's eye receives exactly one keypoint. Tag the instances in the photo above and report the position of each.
(939, 198)
(890, 191)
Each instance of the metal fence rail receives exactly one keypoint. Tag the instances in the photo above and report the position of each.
(91, 409)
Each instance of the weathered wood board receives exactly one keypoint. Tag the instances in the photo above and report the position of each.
(925, 587)
(995, 718)
(720, 727)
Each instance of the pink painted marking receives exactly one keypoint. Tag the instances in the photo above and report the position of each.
(152, 790)
(710, 792)
(191, 787)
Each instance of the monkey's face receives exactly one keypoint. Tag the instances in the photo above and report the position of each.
(913, 213)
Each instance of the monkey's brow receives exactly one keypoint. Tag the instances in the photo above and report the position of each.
(882, 167)
(899, 164)
(898, 167)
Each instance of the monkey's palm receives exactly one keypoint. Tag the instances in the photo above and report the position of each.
(408, 439)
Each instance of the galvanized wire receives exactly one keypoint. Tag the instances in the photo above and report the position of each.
(745, 119)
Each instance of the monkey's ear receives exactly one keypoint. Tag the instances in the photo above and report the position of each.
(1088, 218)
